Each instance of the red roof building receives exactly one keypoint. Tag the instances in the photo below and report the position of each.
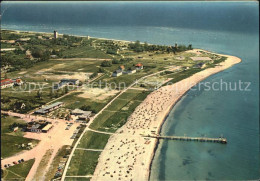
(6, 83)
(139, 66)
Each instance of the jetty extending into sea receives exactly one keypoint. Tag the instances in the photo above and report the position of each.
(186, 138)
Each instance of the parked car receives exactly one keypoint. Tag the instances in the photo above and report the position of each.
(22, 160)
(19, 161)
(15, 163)
(6, 166)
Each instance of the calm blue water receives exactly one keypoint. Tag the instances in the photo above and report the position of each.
(223, 27)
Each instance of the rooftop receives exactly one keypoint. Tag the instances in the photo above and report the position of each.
(200, 58)
(46, 108)
(47, 127)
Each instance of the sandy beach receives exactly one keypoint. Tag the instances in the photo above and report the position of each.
(128, 155)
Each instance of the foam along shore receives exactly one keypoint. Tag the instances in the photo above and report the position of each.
(128, 155)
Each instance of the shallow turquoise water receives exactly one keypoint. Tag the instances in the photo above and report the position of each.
(229, 28)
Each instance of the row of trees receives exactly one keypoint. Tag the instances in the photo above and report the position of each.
(121, 61)
(106, 63)
(88, 108)
(93, 75)
(138, 47)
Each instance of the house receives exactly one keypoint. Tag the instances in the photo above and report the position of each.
(200, 65)
(130, 71)
(201, 58)
(37, 127)
(47, 128)
(70, 81)
(18, 82)
(117, 73)
(64, 82)
(15, 129)
(6, 83)
(53, 56)
(82, 115)
(121, 67)
(139, 66)
(49, 108)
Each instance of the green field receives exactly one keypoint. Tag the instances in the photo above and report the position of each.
(83, 163)
(77, 179)
(11, 140)
(18, 172)
(92, 140)
(73, 101)
(117, 113)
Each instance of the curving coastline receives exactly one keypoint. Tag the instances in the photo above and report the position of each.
(127, 154)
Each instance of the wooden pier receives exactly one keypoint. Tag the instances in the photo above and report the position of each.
(185, 138)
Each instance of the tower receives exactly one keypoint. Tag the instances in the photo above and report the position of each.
(55, 34)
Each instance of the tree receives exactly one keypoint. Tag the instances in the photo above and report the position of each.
(37, 53)
(112, 51)
(93, 75)
(114, 61)
(85, 108)
(66, 90)
(106, 63)
(190, 47)
(39, 94)
(101, 70)
(51, 93)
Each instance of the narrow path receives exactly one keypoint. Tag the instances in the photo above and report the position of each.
(15, 174)
(86, 176)
(93, 118)
(102, 132)
(89, 149)
(20, 46)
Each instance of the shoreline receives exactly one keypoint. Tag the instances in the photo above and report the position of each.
(144, 173)
(180, 97)
(83, 36)
(132, 129)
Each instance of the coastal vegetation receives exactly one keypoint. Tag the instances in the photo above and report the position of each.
(83, 163)
(45, 61)
(56, 161)
(93, 140)
(117, 113)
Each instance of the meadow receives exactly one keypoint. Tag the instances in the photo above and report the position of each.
(10, 140)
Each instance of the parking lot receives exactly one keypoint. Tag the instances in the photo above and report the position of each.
(52, 140)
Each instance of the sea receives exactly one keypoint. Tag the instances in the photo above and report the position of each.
(223, 27)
